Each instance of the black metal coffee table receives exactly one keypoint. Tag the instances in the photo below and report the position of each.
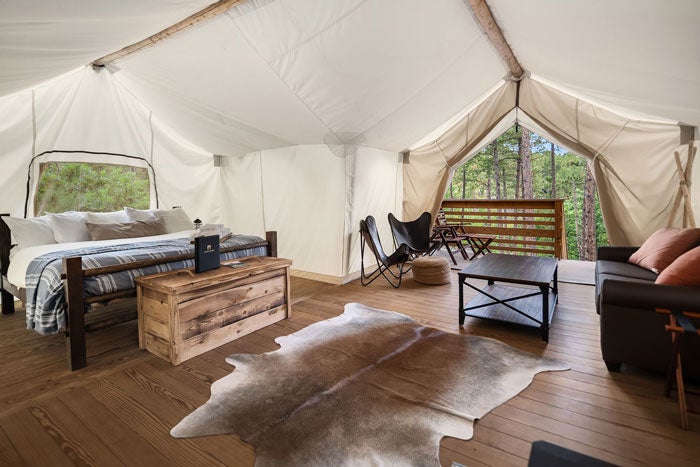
(521, 304)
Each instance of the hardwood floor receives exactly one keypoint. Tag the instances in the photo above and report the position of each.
(119, 410)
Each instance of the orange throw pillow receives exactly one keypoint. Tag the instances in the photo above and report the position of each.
(685, 270)
(663, 247)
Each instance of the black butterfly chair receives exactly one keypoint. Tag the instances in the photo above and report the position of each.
(370, 236)
(415, 234)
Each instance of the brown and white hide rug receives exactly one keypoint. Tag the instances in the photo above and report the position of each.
(366, 387)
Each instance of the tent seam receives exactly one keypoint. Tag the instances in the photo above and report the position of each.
(610, 140)
(69, 100)
(442, 153)
(345, 264)
(598, 156)
(318, 117)
(188, 100)
(150, 127)
(578, 129)
(308, 39)
(399, 173)
(417, 92)
(33, 123)
(26, 199)
(602, 105)
(466, 130)
(262, 190)
(138, 101)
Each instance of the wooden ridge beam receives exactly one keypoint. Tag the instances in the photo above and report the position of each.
(482, 14)
(209, 12)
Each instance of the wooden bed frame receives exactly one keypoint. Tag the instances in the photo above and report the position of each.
(73, 274)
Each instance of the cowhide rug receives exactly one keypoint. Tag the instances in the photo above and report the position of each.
(366, 387)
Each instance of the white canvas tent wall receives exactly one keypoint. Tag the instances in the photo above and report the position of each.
(308, 104)
(88, 111)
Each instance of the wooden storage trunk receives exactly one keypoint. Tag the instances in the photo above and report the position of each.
(182, 314)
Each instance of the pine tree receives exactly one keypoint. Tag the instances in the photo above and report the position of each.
(553, 172)
(496, 169)
(588, 220)
(525, 156)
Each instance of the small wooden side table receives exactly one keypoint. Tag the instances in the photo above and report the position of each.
(182, 314)
(679, 325)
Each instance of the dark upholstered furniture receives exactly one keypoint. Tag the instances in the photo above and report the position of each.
(631, 332)
(544, 454)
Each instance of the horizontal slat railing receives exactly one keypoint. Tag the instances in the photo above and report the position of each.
(521, 226)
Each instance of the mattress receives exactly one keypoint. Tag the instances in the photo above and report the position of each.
(22, 258)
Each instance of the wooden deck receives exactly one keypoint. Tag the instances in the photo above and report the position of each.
(119, 410)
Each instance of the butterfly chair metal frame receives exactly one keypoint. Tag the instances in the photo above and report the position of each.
(370, 236)
(415, 234)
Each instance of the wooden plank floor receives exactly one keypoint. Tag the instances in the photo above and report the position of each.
(119, 410)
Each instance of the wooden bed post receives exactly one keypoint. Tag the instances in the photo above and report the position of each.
(8, 300)
(75, 313)
(271, 237)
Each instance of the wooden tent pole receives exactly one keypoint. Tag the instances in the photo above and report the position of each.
(682, 189)
(683, 193)
(674, 208)
(688, 182)
(484, 17)
(209, 12)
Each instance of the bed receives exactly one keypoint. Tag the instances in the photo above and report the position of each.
(60, 282)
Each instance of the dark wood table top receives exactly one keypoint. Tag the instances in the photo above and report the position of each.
(533, 270)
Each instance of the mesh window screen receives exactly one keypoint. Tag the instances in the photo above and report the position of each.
(82, 186)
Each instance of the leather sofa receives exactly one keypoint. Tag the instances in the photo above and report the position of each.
(631, 332)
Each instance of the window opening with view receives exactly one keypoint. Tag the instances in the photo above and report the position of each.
(83, 186)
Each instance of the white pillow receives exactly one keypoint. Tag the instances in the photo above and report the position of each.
(70, 227)
(176, 220)
(140, 214)
(30, 232)
(114, 217)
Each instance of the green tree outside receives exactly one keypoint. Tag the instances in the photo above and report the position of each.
(80, 186)
(475, 180)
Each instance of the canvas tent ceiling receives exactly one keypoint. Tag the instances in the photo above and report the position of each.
(41, 40)
(331, 92)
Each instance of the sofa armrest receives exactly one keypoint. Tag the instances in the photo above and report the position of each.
(649, 295)
(616, 253)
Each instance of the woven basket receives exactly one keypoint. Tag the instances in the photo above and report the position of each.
(431, 270)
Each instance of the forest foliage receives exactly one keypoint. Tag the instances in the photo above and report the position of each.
(479, 179)
(79, 186)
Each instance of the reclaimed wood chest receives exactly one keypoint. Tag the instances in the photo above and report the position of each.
(182, 314)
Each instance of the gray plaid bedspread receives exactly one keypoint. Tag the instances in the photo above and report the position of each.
(46, 301)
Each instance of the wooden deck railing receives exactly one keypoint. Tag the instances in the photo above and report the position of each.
(521, 226)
